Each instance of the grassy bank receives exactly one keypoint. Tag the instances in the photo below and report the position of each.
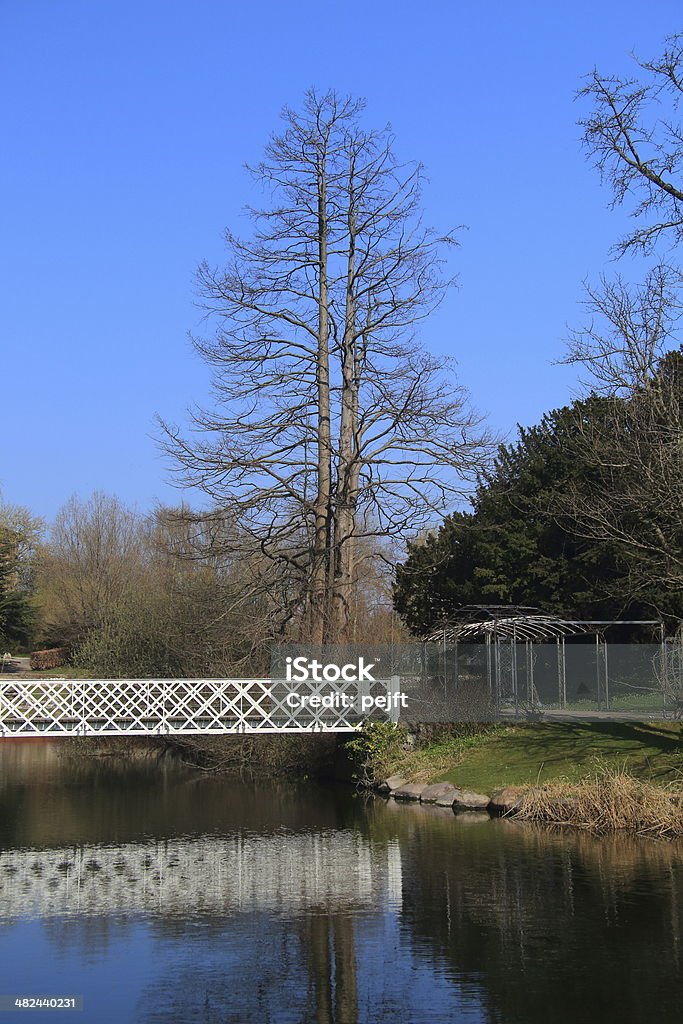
(545, 752)
(515, 755)
(601, 777)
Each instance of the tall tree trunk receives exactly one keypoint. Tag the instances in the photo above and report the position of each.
(345, 498)
(320, 555)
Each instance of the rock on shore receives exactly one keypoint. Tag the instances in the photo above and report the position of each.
(410, 791)
(507, 800)
(440, 793)
(445, 794)
(392, 783)
(466, 800)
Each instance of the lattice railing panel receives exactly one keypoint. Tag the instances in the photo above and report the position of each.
(184, 706)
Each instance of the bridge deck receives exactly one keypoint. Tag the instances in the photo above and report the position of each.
(149, 707)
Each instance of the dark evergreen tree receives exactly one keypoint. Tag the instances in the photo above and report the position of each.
(517, 547)
(17, 617)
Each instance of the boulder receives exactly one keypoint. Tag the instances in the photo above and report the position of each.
(466, 800)
(507, 800)
(411, 791)
(437, 791)
(392, 783)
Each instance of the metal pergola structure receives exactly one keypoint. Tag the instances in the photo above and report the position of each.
(501, 628)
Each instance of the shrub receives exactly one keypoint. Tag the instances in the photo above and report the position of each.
(373, 749)
(52, 658)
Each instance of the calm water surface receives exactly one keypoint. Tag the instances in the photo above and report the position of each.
(162, 895)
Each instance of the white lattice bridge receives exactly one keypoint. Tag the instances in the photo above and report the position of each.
(150, 707)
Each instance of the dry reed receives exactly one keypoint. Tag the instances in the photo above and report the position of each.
(610, 801)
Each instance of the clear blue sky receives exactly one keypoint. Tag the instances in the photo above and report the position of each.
(124, 130)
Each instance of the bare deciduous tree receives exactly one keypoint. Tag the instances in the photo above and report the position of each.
(331, 423)
(128, 593)
(635, 137)
(93, 556)
(636, 496)
(630, 330)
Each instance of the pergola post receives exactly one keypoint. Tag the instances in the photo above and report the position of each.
(597, 669)
(665, 668)
(513, 663)
(488, 667)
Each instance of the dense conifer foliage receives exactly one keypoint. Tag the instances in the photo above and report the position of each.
(529, 538)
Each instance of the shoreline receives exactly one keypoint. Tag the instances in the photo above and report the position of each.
(464, 773)
(609, 804)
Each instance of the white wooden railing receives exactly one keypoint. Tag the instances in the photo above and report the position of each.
(146, 707)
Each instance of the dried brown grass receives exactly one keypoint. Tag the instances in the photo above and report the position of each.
(610, 801)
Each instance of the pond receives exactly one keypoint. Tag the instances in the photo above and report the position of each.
(157, 893)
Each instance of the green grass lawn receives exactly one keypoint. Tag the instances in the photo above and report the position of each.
(515, 755)
(649, 703)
